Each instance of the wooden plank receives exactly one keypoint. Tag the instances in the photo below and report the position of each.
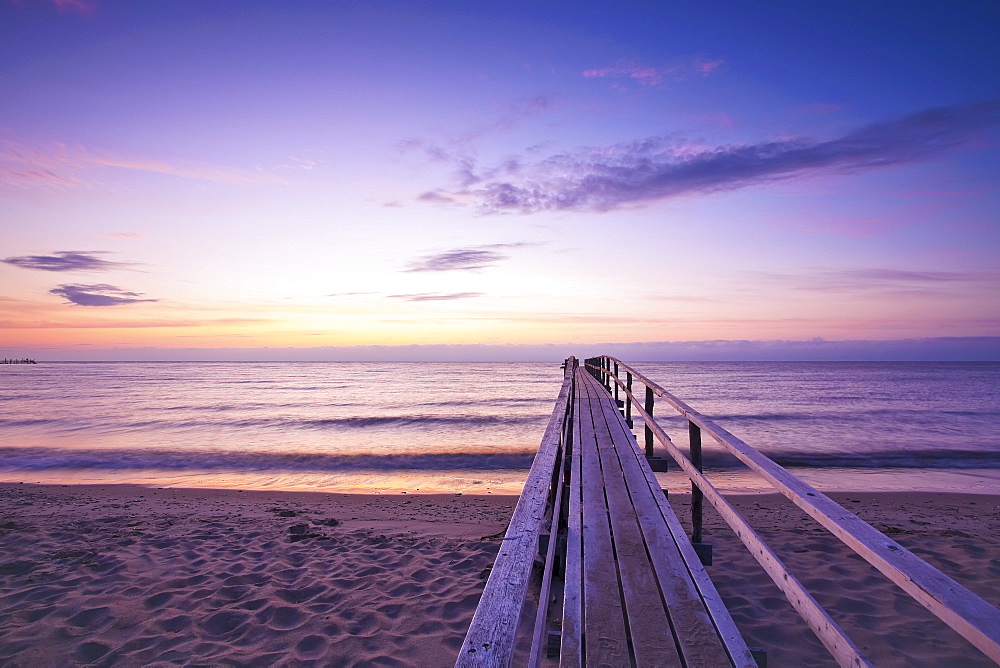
(830, 634)
(968, 614)
(571, 648)
(605, 642)
(539, 638)
(492, 634)
(648, 625)
(703, 626)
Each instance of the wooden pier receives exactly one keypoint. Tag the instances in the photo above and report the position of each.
(596, 569)
(19, 361)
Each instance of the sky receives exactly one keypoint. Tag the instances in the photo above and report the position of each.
(256, 179)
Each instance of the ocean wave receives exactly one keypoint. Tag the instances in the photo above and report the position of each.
(932, 458)
(41, 459)
(279, 422)
(30, 422)
(898, 415)
(44, 458)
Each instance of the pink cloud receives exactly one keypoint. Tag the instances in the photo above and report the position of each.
(651, 76)
(707, 67)
(645, 76)
(58, 165)
(75, 6)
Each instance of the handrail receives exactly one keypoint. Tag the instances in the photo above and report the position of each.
(837, 642)
(958, 607)
(493, 632)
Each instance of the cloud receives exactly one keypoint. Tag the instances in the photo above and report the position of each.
(456, 148)
(645, 75)
(470, 258)
(65, 261)
(192, 172)
(75, 6)
(55, 164)
(867, 279)
(438, 196)
(602, 179)
(98, 295)
(436, 296)
(512, 113)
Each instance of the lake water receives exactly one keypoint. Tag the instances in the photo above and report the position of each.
(393, 427)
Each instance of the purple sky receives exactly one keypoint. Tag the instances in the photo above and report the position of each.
(232, 179)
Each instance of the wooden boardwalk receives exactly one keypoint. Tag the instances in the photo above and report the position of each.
(653, 603)
(596, 569)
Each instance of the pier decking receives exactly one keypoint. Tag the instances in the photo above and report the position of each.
(595, 567)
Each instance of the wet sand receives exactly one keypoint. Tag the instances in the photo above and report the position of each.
(122, 575)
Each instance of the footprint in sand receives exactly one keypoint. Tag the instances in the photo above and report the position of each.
(175, 624)
(281, 618)
(224, 622)
(89, 652)
(157, 600)
(311, 647)
(89, 618)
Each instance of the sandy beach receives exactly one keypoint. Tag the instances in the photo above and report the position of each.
(122, 575)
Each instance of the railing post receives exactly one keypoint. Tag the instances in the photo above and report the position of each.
(649, 411)
(628, 400)
(617, 399)
(694, 438)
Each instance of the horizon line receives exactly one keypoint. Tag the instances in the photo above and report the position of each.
(927, 349)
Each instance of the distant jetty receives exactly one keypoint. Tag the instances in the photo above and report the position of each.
(21, 361)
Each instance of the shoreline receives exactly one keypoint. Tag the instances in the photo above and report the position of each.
(501, 482)
(125, 574)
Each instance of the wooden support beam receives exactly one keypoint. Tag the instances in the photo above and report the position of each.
(649, 431)
(697, 498)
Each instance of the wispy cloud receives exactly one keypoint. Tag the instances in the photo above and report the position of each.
(436, 296)
(456, 149)
(880, 279)
(194, 172)
(98, 295)
(75, 6)
(454, 146)
(55, 164)
(601, 179)
(298, 162)
(66, 261)
(470, 258)
(645, 75)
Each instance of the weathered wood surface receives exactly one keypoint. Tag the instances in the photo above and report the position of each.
(538, 637)
(696, 610)
(571, 646)
(634, 592)
(958, 607)
(605, 640)
(840, 646)
(665, 618)
(491, 637)
(647, 616)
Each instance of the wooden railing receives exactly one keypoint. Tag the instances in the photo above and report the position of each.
(969, 615)
(492, 636)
